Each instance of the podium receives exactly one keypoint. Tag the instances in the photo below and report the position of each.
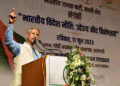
(32, 73)
(44, 72)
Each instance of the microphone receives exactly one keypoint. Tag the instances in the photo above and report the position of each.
(61, 53)
(45, 47)
(38, 46)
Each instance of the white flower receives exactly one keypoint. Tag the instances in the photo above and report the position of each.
(75, 71)
(72, 84)
(71, 73)
(69, 77)
(76, 57)
(72, 65)
(77, 78)
(83, 77)
(82, 63)
(74, 49)
(79, 70)
(77, 62)
(83, 83)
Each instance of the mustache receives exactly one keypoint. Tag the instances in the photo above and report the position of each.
(34, 40)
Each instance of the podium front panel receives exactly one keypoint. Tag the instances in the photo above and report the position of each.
(32, 74)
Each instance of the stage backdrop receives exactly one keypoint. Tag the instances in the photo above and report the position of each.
(92, 25)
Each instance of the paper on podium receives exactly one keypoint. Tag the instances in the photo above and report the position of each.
(54, 70)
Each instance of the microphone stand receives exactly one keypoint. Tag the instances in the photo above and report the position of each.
(44, 47)
(39, 47)
(61, 53)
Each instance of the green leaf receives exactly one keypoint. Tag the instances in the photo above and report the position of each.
(68, 55)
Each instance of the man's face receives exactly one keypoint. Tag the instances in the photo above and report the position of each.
(32, 36)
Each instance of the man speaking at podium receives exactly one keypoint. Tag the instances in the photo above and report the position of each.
(23, 53)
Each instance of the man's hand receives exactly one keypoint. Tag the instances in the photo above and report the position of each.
(12, 16)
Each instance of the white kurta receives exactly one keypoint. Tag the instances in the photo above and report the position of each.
(25, 56)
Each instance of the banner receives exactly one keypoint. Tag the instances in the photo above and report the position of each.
(92, 25)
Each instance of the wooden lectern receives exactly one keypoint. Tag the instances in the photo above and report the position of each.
(46, 71)
(33, 74)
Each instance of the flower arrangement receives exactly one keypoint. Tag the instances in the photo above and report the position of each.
(78, 73)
